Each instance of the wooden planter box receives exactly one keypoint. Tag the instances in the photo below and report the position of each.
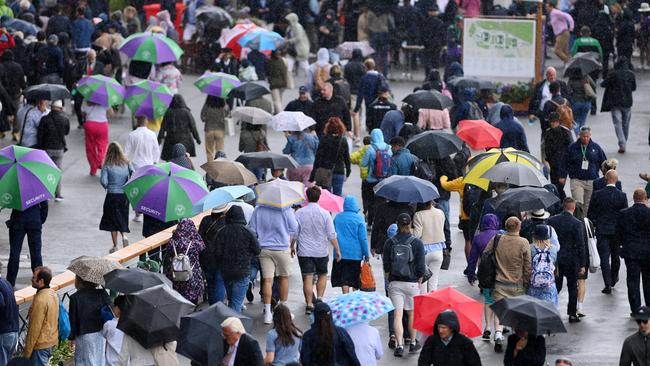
(520, 108)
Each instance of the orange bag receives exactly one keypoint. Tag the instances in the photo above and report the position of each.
(367, 278)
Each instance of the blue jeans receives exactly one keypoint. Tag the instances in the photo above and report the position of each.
(337, 184)
(216, 287)
(236, 290)
(255, 268)
(580, 113)
(8, 343)
(16, 238)
(41, 357)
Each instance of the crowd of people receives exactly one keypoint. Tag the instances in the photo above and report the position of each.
(357, 122)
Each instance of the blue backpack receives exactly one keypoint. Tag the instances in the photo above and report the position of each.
(64, 322)
(382, 163)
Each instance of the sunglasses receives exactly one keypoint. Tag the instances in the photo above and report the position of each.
(639, 321)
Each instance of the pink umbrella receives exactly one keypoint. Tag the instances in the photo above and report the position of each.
(328, 201)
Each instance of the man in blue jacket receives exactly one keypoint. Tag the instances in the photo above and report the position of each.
(604, 212)
(8, 320)
(402, 161)
(82, 30)
(584, 158)
(513, 133)
(368, 161)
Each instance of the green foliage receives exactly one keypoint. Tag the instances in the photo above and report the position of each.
(61, 353)
(514, 93)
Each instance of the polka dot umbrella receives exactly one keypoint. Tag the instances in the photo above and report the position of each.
(359, 307)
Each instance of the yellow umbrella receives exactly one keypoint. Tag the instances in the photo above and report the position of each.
(481, 163)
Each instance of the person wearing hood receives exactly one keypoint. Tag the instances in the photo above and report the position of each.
(325, 343)
(462, 108)
(209, 229)
(618, 99)
(298, 45)
(318, 73)
(352, 236)
(402, 160)
(368, 161)
(378, 108)
(513, 133)
(453, 70)
(353, 72)
(525, 349)
(178, 126)
(447, 346)
(392, 124)
(235, 246)
(635, 347)
(180, 157)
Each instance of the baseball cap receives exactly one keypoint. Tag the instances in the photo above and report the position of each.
(403, 219)
(303, 89)
(643, 313)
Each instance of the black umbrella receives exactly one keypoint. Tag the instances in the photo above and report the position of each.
(130, 280)
(434, 145)
(47, 92)
(153, 315)
(525, 199)
(428, 99)
(583, 62)
(200, 337)
(529, 314)
(249, 91)
(213, 13)
(515, 173)
(465, 82)
(403, 188)
(266, 159)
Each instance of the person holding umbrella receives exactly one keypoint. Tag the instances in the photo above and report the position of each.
(51, 137)
(116, 171)
(178, 126)
(447, 346)
(302, 146)
(525, 349)
(86, 323)
(618, 99)
(555, 144)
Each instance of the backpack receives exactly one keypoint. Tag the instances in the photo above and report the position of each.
(543, 272)
(565, 112)
(420, 169)
(181, 266)
(487, 267)
(321, 75)
(383, 162)
(64, 322)
(475, 112)
(401, 263)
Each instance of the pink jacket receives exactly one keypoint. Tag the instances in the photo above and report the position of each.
(433, 119)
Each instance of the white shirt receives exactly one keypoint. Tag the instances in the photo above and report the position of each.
(94, 113)
(132, 353)
(233, 350)
(546, 95)
(367, 343)
(114, 338)
(142, 147)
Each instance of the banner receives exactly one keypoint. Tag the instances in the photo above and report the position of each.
(499, 47)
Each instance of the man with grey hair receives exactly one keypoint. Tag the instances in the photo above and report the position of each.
(240, 348)
(583, 160)
(542, 94)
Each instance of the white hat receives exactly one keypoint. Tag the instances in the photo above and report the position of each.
(220, 209)
(644, 8)
(56, 104)
(540, 214)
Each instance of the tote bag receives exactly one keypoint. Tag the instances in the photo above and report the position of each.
(594, 258)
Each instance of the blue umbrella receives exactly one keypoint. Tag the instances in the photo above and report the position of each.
(261, 40)
(402, 188)
(19, 25)
(220, 197)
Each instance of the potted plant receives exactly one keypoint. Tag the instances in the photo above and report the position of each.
(517, 95)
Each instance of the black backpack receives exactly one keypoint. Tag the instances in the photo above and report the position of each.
(402, 258)
(421, 169)
(487, 267)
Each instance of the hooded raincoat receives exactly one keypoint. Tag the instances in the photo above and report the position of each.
(457, 351)
(351, 232)
(368, 160)
(488, 229)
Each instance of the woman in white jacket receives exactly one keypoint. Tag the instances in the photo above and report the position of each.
(428, 226)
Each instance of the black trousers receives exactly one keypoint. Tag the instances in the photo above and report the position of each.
(368, 200)
(637, 270)
(570, 271)
(608, 247)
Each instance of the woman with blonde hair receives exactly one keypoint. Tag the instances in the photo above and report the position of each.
(544, 256)
(116, 171)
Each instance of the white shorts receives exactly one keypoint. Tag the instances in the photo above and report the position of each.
(402, 293)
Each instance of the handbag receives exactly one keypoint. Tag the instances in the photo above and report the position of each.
(446, 259)
(594, 257)
(589, 91)
(367, 279)
(427, 275)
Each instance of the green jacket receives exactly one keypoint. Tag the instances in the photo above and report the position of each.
(587, 44)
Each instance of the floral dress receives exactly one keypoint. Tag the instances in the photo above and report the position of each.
(186, 235)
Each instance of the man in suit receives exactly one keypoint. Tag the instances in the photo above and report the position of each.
(633, 232)
(606, 205)
(571, 258)
(240, 348)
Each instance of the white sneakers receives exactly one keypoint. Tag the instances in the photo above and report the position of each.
(268, 317)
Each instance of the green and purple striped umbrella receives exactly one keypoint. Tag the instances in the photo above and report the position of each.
(27, 177)
(165, 191)
(217, 84)
(148, 98)
(151, 47)
(101, 90)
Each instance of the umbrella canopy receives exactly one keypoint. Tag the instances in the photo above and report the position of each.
(530, 314)
(93, 269)
(252, 115)
(261, 40)
(345, 49)
(249, 91)
(165, 191)
(280, 193)
(151, 47)
(434, 145)
(217, 84)
(358, 307)
(466, 82)
(428, 306)
(584, 63)
(229, 172)
(153, 315)
(47, 92)
(428, 99)
(206, 12)
(200, 336)
(130, 280)
(481, 163)
(148, 98)
(402, 188)
(27, 177)
(221, 196)
(20, 25)
(525, 199)
(230, 37)
(514, 173)
(291, 121)
(479, 134)
(101, 90)
(328, 201)
(266, 159)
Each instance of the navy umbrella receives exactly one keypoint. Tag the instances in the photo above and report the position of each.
(403, 188)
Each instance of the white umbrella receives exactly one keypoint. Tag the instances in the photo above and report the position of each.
(252, 115)
(280, 193)
(291, 121)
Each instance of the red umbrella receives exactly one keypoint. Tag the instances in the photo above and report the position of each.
(428, 306)
(479, 134)
(229, 37)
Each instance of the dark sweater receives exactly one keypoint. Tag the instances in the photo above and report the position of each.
(419, 268)
(8, 308)
(235, 246)
(85, 314)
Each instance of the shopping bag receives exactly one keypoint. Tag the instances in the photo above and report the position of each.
(594, 257)
(367, 278)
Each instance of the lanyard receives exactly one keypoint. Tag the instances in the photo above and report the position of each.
(584, 152)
